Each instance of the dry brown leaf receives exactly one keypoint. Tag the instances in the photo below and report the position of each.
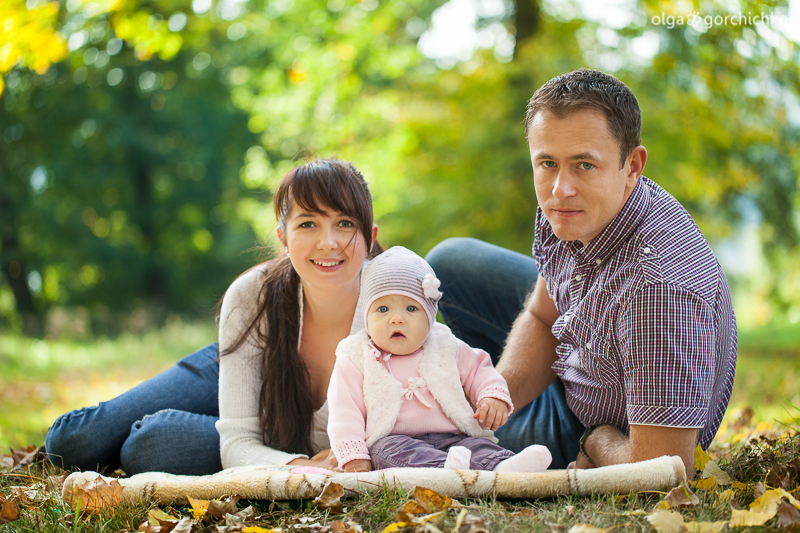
(239, 517)
(680, 496)
(184, 525)
(330, 498)
(759, 490)
(9, 510)
(570, 509)
(431, 501)
(156, 516)
(96, 495)
(666, 521)
(6, 462)
(218, 509)
(472, 524)
(341, 527)
(523, 512)
(788, 518)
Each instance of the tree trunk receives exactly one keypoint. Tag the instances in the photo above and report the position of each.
(526, 19)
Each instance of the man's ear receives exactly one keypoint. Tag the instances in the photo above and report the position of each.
(637, 160)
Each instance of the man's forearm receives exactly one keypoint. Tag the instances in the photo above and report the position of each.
(527, 358)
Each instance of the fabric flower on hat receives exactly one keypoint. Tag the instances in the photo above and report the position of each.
(430, 287)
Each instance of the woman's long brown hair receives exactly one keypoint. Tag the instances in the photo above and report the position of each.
(286, 406)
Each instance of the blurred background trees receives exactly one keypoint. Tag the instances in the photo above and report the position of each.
(140, 138)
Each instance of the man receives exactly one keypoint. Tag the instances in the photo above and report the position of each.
(627, 350)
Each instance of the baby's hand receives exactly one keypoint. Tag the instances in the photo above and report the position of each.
(358, 465)
(492, 413)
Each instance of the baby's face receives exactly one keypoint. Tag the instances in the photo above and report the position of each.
(397, 324)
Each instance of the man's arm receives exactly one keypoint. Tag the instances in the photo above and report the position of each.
(530, 348)
(607, 445)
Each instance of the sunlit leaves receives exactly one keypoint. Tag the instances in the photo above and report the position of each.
(30, 38)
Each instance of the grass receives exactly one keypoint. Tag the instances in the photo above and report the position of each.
(41, 379)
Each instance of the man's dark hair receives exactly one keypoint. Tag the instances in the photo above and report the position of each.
(591, 89)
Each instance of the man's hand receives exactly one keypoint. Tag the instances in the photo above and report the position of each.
(358, 465)
(607, 445)
(491, 414)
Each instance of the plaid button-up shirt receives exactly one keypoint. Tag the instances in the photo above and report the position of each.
(646, 328)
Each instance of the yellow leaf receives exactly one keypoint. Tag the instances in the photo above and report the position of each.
(431, 501)
(199, 507)
(713, 469)
(741, 518)
(666, 521)
(769, 501)
(256, 529)
(700, 458)
(725, 496)
(397, 526)
(706, 484)
(705, 527)
(156, 516)
(742, 486)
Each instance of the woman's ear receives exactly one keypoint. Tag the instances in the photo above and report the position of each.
(374, 232)
(282, 238)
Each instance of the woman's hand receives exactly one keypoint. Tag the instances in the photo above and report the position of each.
(492, 413)
(358, 465)
(324, 459)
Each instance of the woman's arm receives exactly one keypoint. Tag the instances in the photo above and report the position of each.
(240, 379)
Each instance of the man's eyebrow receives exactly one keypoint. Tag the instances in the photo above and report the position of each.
(542, 155)
(584, 155)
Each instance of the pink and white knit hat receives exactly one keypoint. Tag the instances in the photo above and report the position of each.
(398, 270)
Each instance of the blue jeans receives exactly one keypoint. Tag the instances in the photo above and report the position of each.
(165, 424)
(484, 288)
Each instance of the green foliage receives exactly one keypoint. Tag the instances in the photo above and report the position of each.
(136, 171)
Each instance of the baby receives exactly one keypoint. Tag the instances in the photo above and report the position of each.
(398, 392)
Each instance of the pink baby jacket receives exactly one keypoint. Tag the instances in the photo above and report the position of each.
(367, 403)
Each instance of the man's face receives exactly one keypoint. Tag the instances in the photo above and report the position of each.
(579, 184)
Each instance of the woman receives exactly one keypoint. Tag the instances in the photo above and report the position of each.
(263, 401)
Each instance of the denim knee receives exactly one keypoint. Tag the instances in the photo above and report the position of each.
(447, 256)
(66, 440)
(172, 441)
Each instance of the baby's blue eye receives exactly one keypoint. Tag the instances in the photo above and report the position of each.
(411, 308)
(383, 309)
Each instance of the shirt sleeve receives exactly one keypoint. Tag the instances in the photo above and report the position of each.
(240, 380)
(347, 418)
(479, 378)
(666, 338)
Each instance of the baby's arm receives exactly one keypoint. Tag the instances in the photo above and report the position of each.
(347, 416)
(484, 386)
(491, 413)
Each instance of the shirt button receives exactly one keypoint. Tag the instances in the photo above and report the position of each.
(646, 250)
(578, 277)
(588, 345)
(597, 261)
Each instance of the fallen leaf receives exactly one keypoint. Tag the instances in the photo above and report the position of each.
(700, 458)
(341, 527)
(330, 498)
(156, 516)
(184, 525)
(570, 509)
(744, 487)
(256, 529)
(788, 518)
(6, 462)
(759, 489)
(239, 517)
(199, 507)
(705, 484)
(680, 496)
(431, 501)
(396, 526)
(742, 518)
(705, 527)
(218, 509)
(96, 495)
(586, 528)
(524, 512)
(666, 521)
(9, 511)
(725, 496)
(713, 469)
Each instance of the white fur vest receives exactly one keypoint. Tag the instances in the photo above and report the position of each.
(438, 367)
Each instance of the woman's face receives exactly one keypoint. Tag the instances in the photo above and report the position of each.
(326, 249)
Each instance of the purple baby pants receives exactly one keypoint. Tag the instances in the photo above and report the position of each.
(430, 451)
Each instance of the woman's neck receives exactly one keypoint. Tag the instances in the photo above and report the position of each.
(331, 307)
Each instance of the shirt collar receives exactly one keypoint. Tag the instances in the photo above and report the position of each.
(618, 230)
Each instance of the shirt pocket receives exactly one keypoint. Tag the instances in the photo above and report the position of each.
(594, 352)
